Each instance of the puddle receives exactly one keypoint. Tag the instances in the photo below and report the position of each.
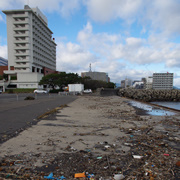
(150, 110)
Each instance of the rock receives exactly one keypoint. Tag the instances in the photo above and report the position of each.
(148, 95)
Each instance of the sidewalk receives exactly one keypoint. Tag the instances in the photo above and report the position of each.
(98, 135)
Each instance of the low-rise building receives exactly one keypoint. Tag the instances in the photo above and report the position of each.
(3, 65)
(100, 76)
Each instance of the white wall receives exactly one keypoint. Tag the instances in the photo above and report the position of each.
(29, 77)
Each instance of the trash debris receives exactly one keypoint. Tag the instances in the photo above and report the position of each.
(99, 157)
(118, 176)
(80, 175)
(137, 157)
(50, 176)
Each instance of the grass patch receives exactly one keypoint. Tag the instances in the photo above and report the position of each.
(19, 90)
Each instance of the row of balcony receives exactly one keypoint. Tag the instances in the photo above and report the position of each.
(39, 42)
(41, 32)
(22, 40)
(44, 53)
(43, 61)
(20, 47)
(20, 34)
(39, 23)
(20, 15)
(22, 60)
(47, 60)
(21, 65)
(19, 27)
(41, 36)
(26, 21)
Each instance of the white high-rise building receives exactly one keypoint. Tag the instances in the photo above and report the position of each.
(31, 48)
(149, 82)
(162, 80)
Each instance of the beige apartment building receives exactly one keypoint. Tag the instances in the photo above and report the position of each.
(31, 48)
(162, 81)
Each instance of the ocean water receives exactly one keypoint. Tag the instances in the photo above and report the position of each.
(150, 110)
(174, 105)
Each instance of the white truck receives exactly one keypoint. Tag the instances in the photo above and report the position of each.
(76, 88)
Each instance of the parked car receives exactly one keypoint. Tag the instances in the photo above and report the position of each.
(87, 91)
(0, 91)
(40, 91)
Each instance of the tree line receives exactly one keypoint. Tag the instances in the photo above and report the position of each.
(60, 80)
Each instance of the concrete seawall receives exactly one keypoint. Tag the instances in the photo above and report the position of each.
(109, 92)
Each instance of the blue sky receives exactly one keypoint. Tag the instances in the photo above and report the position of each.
(125, 38)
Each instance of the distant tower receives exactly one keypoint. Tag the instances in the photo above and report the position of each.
(90, 67)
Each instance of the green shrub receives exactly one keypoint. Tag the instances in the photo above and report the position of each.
(29, 98)
(10, 91)
(13, 77)
(19, 90)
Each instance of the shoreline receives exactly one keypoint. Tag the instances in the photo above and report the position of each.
(145, 112)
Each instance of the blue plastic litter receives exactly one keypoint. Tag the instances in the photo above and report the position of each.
(50, 176)
(62, 177)
(90, 175)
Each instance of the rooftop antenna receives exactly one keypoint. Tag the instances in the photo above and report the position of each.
(90, 68)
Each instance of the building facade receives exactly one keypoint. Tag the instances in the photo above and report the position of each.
(149, 82)
(162, 81)
(3, 62)
(3, 66)
(31, 48)
(126, 83)
(138, 84)
(100, 76)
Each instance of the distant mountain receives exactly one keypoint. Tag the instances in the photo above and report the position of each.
(118, 85)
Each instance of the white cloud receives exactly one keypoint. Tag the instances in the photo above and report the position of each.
(104, 11)
(173, 63)
(4, 4)
(131, 41)
(71, 57)
(134, 50)
(177, 80)
(164, 15)
(161, 15)
(3, 51)
(63, 7)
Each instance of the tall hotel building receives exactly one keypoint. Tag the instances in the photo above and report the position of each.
(162, 80)
(31, 48)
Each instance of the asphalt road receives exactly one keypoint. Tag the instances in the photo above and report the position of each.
(16, 114)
